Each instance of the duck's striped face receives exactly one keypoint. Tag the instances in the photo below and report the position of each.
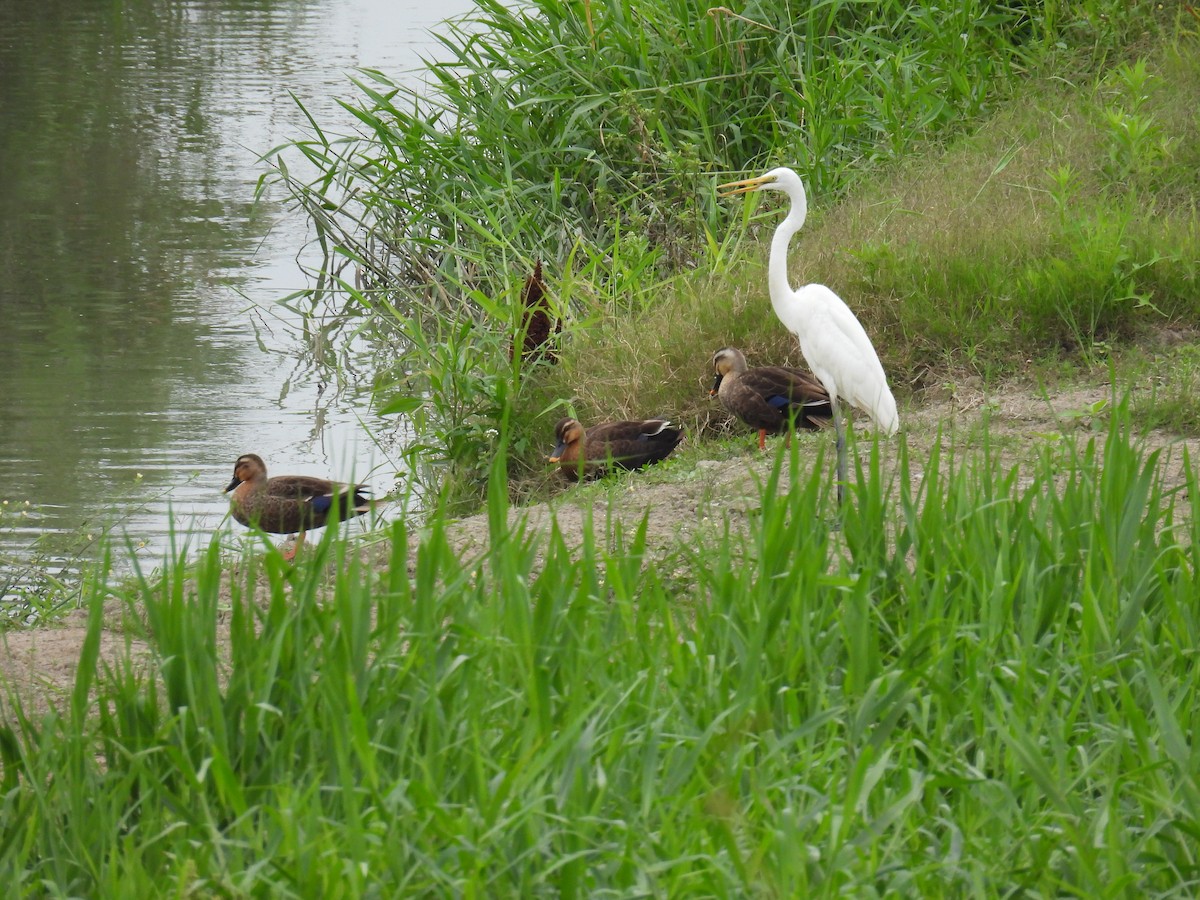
(567, 433)
(247, 468)
(726, 360)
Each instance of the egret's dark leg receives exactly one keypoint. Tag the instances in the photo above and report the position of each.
(841, 450)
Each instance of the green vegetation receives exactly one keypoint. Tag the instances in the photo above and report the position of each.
(555, 130)
(1170, 389)
(989, 186)
(1008, 250)
(982, 684)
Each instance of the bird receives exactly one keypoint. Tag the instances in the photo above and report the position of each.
(290, 503)
(537, 325)
(832, 340)
(767, 397)
(627, 444)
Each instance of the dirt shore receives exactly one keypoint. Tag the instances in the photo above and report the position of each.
(39, 663)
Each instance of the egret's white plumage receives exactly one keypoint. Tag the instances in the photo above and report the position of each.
(832, 340)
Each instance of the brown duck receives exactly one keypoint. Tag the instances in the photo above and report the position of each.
(290, 503)
(766, 396)
(623, 445)
(538, 328)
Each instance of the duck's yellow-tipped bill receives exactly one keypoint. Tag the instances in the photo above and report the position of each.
(745, 186)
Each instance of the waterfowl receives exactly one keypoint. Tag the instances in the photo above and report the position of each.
(625, 445)
(765, 397)
(834, 343)
(537, 325)
(290, 503)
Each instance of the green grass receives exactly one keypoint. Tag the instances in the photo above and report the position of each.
(983, 685)
(554, 129)
(987, 183)
(1008, 249)
(1168, 386)
(1051, 230)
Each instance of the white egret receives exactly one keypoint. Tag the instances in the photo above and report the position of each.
(832, 340)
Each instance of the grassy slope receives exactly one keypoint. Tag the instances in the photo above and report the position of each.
(1032, 240)
(984, 685)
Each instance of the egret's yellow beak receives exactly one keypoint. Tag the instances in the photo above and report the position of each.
(744, 186)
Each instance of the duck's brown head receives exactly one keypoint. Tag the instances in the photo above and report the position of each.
(249, 467)
(568, 433)
(725, 361)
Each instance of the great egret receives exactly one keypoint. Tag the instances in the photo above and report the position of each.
(289, 503)
(625, 445)
(832, 340)
(766, 397)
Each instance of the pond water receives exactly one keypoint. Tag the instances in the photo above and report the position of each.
(145, 348)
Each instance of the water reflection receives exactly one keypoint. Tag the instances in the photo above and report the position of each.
(137, 276)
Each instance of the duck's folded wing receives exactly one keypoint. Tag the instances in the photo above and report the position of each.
(777, 381)
(319, 492)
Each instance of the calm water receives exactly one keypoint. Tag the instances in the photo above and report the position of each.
(144, 347)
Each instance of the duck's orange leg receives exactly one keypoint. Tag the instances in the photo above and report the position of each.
(291, 548)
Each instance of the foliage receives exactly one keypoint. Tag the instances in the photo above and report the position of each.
(554, 124)
(1051, 232)
(589, 136)
(982, 685)
(1007, 253)
(1168, 385)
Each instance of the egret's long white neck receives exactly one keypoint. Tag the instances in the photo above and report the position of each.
(777, 270)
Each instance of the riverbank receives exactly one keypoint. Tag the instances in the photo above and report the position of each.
(674, 677)
(683, 503)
